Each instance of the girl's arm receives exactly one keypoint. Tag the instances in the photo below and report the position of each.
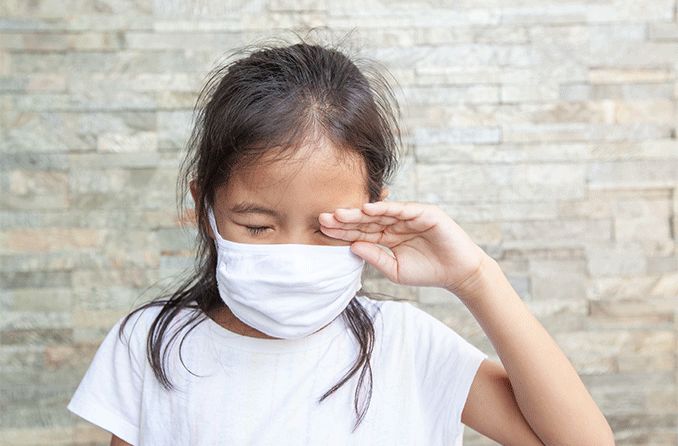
(428, 248)
(546, 387)
(115, 441)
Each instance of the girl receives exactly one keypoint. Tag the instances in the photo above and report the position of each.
(288, 166)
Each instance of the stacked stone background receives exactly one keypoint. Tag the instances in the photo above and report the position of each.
(546, 129)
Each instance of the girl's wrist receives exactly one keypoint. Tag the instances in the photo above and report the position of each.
(474, 285)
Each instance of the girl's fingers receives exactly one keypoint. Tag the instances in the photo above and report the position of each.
(354, 218)
(413, 217)
(402, 210)
(353, 234)
(356, 215)
(370, 222)
(365, 227)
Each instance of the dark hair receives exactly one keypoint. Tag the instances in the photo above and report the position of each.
(279, 96)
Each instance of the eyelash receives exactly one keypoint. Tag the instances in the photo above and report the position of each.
(256, 230)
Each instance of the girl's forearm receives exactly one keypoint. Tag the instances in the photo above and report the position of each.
(547, 388)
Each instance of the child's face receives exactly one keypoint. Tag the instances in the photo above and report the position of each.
(279, 202)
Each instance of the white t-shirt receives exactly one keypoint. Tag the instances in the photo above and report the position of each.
(264, 391)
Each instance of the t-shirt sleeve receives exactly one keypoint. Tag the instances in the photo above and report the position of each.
(109, 394)
(447, 364)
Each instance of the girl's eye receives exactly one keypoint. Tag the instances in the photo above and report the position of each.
(256, 230)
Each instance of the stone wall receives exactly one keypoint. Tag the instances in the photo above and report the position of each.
(546, 129)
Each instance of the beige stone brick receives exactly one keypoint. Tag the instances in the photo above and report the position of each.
(649, 351)
(24, 182)
(53, 434)
(521, 182)
(550, 132)
(630, 11)
(633, 54)
(49, 239)
(631, 92)
(457, 135)
(503, 153)
(649, 173)
(635, 312)
(663, 31)
(559, 315)
(500, 211)
(36, 189)
(464, 94)
(558, 279)
(136, 142)
(649, 227)
(559, 230)
(611, 75)
(592, 351)
(654, 149)
(552, 13)
(541, 92)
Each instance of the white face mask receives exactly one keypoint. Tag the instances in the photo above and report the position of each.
(286, 290)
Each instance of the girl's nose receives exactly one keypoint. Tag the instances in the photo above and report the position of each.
(303, 240)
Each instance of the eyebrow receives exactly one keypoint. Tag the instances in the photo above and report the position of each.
(248, 207)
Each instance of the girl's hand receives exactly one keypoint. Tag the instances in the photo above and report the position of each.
(430, 249)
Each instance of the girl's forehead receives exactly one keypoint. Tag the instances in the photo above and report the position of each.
(317, 179)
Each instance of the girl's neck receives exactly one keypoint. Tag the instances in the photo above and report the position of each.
(223, 316)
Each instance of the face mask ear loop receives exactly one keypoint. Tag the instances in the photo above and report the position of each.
(213, 223)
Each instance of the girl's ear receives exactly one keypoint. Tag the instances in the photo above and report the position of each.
(194, 191)
(384, 193)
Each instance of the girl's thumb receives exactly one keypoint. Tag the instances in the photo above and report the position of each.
(377, 257)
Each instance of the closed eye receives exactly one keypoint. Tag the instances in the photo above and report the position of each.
(256, 230)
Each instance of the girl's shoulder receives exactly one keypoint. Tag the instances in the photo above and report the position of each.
(137, 321)
(136, 324)
(146, 314)
(405, 318)
(403, 314)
